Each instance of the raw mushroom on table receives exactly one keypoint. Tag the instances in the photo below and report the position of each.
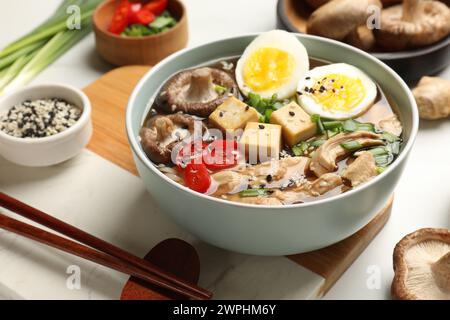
(432, 95)
(422, 266)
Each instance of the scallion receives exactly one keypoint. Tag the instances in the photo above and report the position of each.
(23, 59)
(350, 125)
(220, 89)
(253, 193)
(351, 145)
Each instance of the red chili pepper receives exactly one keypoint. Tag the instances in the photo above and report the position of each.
(221, 154)
(197, 177)
(192, 152)
(121, 17)
(156, 6)
(142, 16)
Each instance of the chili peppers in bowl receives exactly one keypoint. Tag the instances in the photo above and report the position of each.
(198, 159)
(139, 19)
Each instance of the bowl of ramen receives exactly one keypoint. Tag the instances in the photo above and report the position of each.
(271, 144)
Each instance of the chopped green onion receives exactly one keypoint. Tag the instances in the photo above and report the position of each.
(366, 127)
(219, 89)
(253, 193)
(320, 128)
(378, 151)
(350, 125)
(394, 147)
(163, 21)
(380, 169)
(351, 145)
(317, 143)
(300, 149)
(268, 114)
(384, 160)
(332, 133)
(389, 137)
(331, 125)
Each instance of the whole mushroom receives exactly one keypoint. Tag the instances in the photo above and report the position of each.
(414, 23)
(162, 132)
(422, 266)
(432, 95)
(195, 91)
(337, 18)
(317, 3)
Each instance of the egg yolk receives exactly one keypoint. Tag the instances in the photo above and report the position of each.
(268, 68)
(338, 92)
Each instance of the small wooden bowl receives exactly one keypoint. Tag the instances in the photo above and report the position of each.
(147, 50)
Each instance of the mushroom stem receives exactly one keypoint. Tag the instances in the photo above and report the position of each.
(441, 272)
(201, 88)
(410, 10)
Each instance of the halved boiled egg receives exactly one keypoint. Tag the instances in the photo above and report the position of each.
(272, 63)
(336, 91)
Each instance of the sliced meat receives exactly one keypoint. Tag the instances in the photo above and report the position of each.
(308, 190)
(268, 201)
(229, 182)
(392, 125)
(325, 183)
(162, 133)
(276, 173)
(325, 157)
(361, 170)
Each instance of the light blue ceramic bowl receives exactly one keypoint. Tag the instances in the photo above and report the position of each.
(265, 230)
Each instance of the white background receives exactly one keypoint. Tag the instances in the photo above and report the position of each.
(422, 197)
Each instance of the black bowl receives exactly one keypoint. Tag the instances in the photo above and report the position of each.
(411, 65)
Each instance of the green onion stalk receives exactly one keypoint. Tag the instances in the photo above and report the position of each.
(25, 58)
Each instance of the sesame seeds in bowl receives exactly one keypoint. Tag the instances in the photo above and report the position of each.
(39, 118)
(44, 125)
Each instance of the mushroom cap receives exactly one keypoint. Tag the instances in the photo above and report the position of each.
(156, 136)
(413, 24)
(318, 3)
(422, 266)
(337, 18)
(432, 95)
(193, 92)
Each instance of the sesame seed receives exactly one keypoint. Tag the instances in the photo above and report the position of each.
(261, 126)
(39, 118)
(291, 113)
(247, 108)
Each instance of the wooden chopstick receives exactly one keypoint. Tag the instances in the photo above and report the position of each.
(162, 279)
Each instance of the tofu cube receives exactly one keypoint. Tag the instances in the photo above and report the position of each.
(233, 114)
(295, 122)
(262, 141)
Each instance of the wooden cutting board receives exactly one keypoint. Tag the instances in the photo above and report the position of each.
(109, 96)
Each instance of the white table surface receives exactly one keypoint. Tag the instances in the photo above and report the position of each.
(422, 196)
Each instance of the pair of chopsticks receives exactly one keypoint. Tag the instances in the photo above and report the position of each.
(92, 248)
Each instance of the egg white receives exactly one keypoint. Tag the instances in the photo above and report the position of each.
(310, 105)
(281, 40)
